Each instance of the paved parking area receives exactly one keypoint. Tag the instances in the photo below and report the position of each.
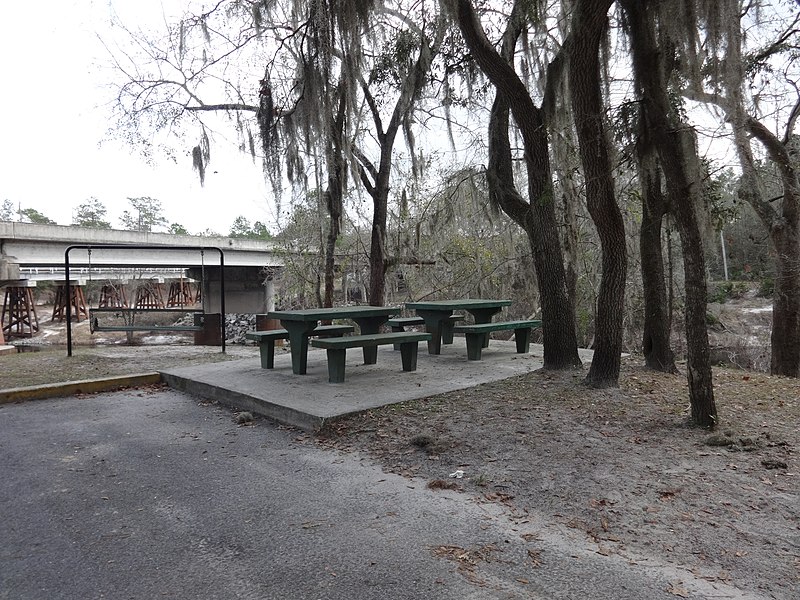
(153, 493)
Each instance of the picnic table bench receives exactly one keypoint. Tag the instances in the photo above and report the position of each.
(476, 335)
(337, 349)
(266, 339)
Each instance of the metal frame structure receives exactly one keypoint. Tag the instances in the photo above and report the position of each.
(90, 247)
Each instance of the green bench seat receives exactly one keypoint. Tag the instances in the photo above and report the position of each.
(266, 339)
(400, 323)
(337, 349)
(476, 334)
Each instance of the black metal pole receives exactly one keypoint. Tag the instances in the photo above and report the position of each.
(222, 295)
(68, 291)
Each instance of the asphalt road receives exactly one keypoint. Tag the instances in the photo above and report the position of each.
(154, 494)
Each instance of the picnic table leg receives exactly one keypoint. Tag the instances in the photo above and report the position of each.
(474, 345)
(336, 362)
(267, 350)
(484, 315)
(397, 329)
(433, 325)
(367, 326)
(298, 341)
(447, 331)
(523, 339)
(408, 354)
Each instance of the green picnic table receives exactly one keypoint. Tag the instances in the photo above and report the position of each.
(300, 324)
(434, 312)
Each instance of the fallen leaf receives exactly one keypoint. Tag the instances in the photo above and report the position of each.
(678, 590)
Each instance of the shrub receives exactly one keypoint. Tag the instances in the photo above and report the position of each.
(767, 288)
(727, 290)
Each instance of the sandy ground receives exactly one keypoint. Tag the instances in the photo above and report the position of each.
(621, 467)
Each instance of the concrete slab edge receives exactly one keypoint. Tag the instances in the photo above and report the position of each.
(70, 388)
(240, 401)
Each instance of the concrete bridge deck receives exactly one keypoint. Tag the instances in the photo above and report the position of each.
(33, 245)
(28, 251)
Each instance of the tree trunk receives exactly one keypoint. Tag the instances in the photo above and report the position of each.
(333, 197)
(377, 249)
(588, 24)
(536, 217)
(676, 148)
(701, 387)
(379, 187)
(784, 223)
(656, 346)
(330, 245)
(566, 163)
(785, 312)
(784, 231)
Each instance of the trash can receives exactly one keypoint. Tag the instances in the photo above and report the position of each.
(211, 332)
(265, 324)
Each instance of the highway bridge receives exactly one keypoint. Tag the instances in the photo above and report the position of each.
(43, 246)
(37, 252)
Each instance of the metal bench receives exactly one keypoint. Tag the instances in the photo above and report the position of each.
(266, 339)
(130, 314)
(400, 323)
(476, 334)
(337, 349)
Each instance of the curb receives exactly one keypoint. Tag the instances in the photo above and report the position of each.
(70, 388)
(284, 415)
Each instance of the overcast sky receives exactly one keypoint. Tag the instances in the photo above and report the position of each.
(53, 118)
(54, 115)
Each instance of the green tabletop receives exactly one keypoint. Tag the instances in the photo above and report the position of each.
(463, 304)
(337, 312)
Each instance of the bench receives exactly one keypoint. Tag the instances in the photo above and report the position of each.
(266, 339)
(476, 334)
(337, 349)
(129, 314)
(399, 323)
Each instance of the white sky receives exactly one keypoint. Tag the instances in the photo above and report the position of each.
(53, 118)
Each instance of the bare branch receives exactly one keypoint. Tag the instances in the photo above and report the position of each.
(223, 107)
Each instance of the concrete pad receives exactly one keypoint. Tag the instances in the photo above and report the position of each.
(7, 349)
(308, 401)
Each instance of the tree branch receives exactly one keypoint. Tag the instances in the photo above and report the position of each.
(214, 107)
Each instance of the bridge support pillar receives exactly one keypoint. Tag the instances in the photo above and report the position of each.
(18, 317)
(113, 295)
(246, 290)
(9, 269)
(76, 304)
(8, 349)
